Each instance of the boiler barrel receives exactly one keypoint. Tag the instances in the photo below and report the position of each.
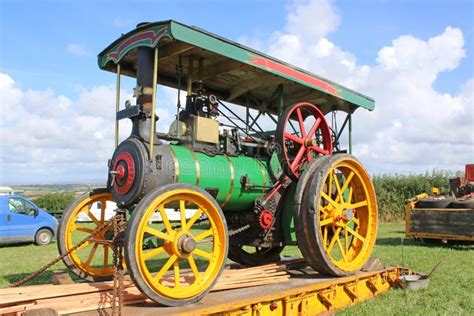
(221, 175)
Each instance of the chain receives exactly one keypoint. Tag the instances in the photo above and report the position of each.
(60, 257)
(238, 230)
(118, 243)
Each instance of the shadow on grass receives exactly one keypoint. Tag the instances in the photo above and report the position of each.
(23, 244)
(43, 278)
(430, 243)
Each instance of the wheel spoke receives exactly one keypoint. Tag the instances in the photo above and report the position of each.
(298, 157)
(358, 204)
(346, 183)
(355, 220)
(314, 127)
(152, 253)
(158, 233)
(177, 282)
(103, 204)
(194, 268)
(294, 138)
(164, 218)
(319, 150)
(341, 249)
(203, 235)
(301, 122)
(84, 245)
(192, 220)
(325, 222)
(333, 240)
(356, 234)
(106, 256)
(202, 253)
(328, 198)
(349, 196)
(91, 255)
(82, 229)
(325, 236)
(309, 157)
(346, 240)
(91, 216)
(165, 268)
(338, 188)
(182, 213)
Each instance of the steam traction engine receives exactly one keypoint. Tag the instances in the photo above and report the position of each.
(223, 181)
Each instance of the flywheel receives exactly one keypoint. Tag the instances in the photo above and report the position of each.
(302, 135)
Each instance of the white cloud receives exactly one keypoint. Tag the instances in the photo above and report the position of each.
(52, 138)
(414, 127)
(77, 49)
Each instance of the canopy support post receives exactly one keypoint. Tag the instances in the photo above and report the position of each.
(281, 100)
(339, 133)
(153, 104)
(117, 106)
(247, 113)
(350, 133)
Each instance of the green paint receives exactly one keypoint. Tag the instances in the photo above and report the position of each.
(215, 172)
(232, 50)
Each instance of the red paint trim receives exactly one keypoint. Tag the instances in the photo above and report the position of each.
(151, 35)
(124, 162)
(274, 66)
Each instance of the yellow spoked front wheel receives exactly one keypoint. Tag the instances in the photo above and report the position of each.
(339, 209)
(93, 260)
(176, 244)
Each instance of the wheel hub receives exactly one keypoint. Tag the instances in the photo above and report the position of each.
(187, 244)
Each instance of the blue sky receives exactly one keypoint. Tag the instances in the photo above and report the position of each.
(35, 34)
(48, 55)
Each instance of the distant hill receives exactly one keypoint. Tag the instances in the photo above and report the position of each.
(32, 191)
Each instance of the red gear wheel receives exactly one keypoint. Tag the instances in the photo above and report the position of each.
(265, 219)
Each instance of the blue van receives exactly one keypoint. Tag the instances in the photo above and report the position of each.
(22, 221)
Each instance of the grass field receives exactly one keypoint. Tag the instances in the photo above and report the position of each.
(451, 290)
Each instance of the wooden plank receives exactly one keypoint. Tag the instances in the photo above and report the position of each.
(71, 298)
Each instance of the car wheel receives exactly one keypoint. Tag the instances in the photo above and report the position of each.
(43, 237)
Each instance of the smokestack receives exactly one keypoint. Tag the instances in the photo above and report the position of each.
(145, 77)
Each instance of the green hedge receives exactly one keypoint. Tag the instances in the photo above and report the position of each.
(392, 190)
(54, 202)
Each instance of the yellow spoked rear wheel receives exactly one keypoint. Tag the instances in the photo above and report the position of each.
(93, 260)
(176, 244)
(339, 208)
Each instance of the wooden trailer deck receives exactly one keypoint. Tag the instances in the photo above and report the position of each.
(305, 292)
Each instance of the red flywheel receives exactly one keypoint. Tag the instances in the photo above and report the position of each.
(302, 134)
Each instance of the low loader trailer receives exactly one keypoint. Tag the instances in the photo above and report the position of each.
(303, 292)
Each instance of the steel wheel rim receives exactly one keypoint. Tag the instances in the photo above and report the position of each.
(307, 141)
(85, 265)
(160, 281)
(347, 215)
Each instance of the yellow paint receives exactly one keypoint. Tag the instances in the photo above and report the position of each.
(313, 299)
(106, 269)
(348, 208)
(199, 280)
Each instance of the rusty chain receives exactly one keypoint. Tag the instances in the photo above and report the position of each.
(60, 257)
(118, 243)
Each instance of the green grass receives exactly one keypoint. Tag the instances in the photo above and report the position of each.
(451, 290)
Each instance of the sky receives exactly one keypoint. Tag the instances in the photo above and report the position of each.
(414, 57)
